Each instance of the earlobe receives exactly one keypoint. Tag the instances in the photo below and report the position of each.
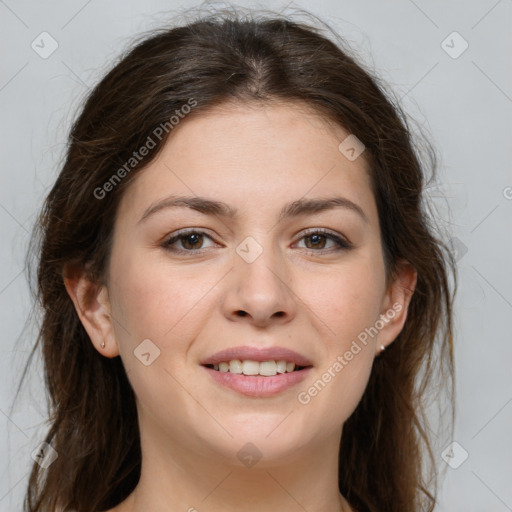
(93, 308)
(396, 304)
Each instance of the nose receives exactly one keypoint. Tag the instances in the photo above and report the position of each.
(259, 291)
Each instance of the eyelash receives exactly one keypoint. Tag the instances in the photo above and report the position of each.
(343, 245)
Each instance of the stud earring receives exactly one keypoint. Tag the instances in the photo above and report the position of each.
(102, 344)
(382, 348)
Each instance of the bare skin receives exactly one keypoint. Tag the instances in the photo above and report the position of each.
(304, 293)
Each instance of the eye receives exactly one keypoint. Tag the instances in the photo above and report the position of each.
(318, 238)
(191, 241)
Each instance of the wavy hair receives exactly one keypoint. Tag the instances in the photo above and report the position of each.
(386, 459)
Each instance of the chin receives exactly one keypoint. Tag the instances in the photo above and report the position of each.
(268, 440)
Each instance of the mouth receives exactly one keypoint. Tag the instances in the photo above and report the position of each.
(251, 368)
(257, 372)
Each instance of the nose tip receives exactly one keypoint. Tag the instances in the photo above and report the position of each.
(259, 292)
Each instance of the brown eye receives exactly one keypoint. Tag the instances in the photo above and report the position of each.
(191, 241)
(318, 239)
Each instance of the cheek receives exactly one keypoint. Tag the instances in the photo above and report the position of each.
(348, 300)
(348, 306)
(156, 301)
(168, 307)
(347, 386)
(343, 375)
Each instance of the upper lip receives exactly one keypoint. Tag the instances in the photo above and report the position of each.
(257, 354)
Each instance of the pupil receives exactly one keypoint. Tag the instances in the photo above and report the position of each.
(315, 239)
(194, 238)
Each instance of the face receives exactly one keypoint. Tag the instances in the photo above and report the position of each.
(268, 274)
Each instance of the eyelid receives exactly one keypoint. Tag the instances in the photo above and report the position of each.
(174, 237)
(343, 242)
(340, 240)
(323, 231)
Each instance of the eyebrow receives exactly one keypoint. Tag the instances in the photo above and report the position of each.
(219, 208)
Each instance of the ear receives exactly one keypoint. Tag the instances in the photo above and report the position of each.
(395, 303)
(93, 308)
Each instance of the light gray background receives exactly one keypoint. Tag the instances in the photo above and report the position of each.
(465, 103)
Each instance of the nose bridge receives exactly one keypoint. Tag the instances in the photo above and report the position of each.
(261, 280)
(258, 258)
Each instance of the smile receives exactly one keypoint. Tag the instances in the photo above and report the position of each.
(252, 368)
(256, 384)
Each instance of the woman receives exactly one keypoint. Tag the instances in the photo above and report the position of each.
(244, 302)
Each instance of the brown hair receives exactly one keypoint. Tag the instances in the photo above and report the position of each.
(219, 58)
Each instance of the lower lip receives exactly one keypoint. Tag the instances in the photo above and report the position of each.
(259, 386)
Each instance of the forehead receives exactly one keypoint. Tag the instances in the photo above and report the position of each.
(289, 129)
(259, 154)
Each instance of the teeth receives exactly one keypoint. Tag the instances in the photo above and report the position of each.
(248, 367)
(268, 368)
(281, 366)
(235, 366)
